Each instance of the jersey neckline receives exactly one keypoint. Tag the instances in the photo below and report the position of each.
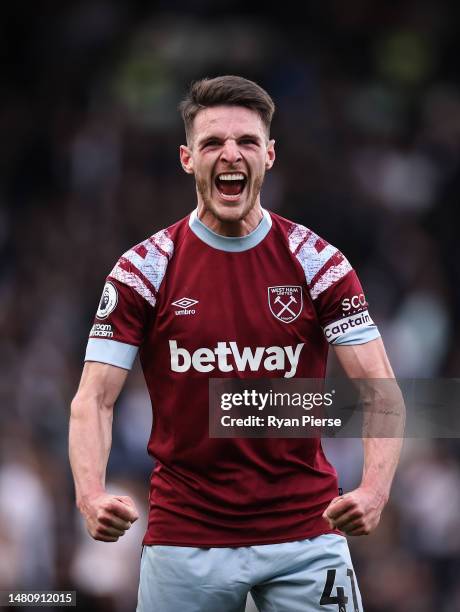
(232, 244)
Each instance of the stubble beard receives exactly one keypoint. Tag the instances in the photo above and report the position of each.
(203, 188)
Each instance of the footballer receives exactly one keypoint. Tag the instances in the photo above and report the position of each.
(230, 291)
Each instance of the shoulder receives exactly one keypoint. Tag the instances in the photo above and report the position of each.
(144, 266)
(322, 262)
(300, 237)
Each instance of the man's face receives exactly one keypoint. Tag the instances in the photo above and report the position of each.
(229, 153)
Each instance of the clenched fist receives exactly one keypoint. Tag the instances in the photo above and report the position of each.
(108, 516)
(355, 513)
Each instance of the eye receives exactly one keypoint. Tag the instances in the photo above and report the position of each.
(210, 143)
(248, 141)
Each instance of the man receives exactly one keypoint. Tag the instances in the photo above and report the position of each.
(209, 297)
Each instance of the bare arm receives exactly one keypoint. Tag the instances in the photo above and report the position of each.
(358, 512)
(90, 437)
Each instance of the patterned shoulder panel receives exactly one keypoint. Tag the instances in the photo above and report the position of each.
(143, 267)
(321, 262)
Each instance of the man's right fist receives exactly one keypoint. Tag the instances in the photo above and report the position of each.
(108, 516)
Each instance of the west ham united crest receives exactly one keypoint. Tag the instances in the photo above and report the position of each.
(285, 302)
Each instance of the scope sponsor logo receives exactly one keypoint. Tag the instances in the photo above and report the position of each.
(341, 327)
(353, 303)
(227, 357)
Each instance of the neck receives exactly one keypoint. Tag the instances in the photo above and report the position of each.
(236, 228)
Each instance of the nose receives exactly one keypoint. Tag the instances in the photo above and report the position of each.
(230, 152)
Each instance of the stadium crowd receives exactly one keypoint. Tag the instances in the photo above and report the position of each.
(368, 142)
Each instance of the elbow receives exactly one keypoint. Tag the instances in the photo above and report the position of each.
(81, 405)
(78, 408)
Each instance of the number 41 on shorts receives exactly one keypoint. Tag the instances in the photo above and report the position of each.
(340, 599)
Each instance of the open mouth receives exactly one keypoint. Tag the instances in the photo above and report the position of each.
(231, 185)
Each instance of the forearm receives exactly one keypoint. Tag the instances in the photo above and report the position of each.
(381, 456)
(90, 438)
(383, 429)
(358, 512)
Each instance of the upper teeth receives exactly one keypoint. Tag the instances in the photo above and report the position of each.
(231, 177)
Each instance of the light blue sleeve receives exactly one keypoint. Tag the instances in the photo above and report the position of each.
(112, 352)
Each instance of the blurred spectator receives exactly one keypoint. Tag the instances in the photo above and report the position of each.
(27, 513)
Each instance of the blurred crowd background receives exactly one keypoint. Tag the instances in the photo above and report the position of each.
(368, 141)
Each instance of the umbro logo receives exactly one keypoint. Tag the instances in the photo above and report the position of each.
(184, 302)
(184, 305)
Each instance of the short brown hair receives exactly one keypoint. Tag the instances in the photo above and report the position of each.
(225, 90)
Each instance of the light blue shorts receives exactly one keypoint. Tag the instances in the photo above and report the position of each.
(304, 576)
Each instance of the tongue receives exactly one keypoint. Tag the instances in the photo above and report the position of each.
(230, 187)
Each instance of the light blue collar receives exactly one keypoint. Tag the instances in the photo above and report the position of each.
(233, 244)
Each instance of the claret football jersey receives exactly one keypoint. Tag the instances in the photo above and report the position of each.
(196, 305)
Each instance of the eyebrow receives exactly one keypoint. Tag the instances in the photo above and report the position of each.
(206, 139)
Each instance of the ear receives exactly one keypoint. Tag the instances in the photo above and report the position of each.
(271, 155)
(186, 159)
